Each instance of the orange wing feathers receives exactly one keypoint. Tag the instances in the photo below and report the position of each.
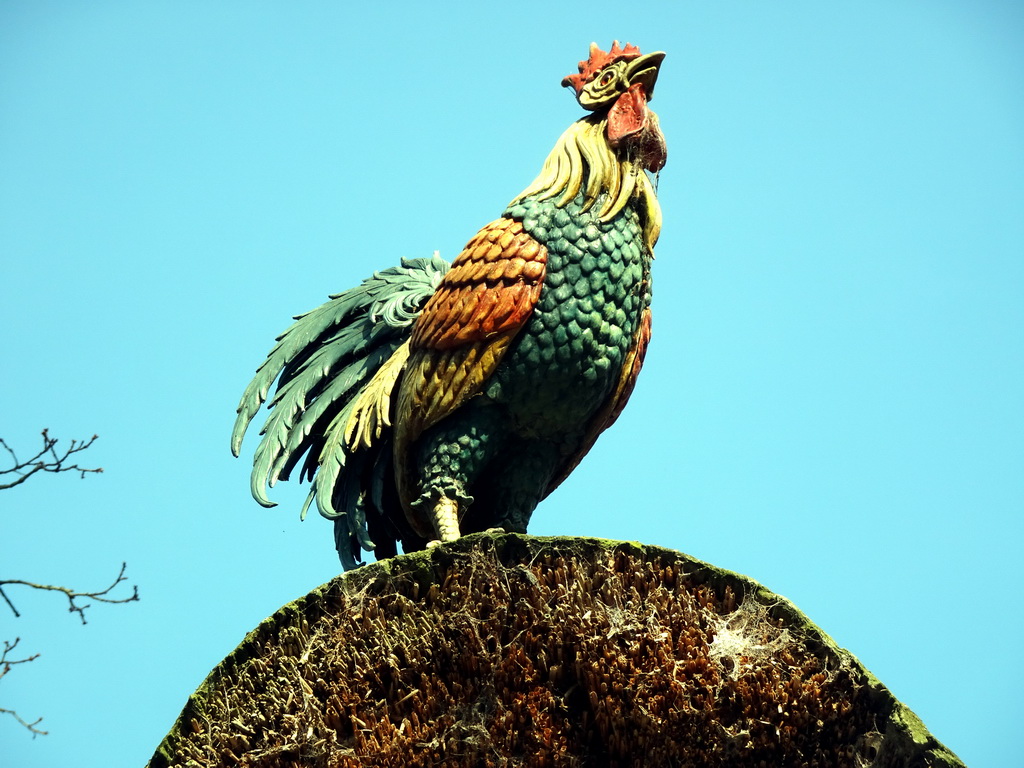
(491, 288)
(466, 327)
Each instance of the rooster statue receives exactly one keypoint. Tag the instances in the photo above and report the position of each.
(437, 399)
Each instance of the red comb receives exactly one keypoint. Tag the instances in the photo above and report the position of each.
(599, 60)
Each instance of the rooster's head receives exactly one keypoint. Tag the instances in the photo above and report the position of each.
(621, 82)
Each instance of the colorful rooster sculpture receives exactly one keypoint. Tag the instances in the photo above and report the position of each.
(437, 399)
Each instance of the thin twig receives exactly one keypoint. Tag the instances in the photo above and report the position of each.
(9, 603)
(31, 726)
(73, 595)
(6, 663)
(5, 666)
(47, 459)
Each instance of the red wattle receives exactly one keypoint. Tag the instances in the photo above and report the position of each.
(628, 114)
(629, 119)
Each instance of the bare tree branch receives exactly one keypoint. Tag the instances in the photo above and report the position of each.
(31, 726)
(48, 459)
(6, 662)
(72, 595)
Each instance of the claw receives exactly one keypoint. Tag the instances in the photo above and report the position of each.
(445, 519)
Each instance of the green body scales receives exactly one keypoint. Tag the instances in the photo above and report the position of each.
(570, 354)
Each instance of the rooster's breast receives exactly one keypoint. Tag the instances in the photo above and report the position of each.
(569, 356)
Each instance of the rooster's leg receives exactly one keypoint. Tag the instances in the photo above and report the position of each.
(447, 462)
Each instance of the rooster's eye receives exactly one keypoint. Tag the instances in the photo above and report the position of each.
(606, 78)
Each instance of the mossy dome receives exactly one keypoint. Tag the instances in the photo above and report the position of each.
(507, 650)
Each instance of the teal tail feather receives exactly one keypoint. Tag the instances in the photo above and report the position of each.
(321, 364)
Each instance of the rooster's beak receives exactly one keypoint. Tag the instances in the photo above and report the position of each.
(644, 70)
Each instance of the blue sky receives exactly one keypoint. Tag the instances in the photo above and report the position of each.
(833, 402)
